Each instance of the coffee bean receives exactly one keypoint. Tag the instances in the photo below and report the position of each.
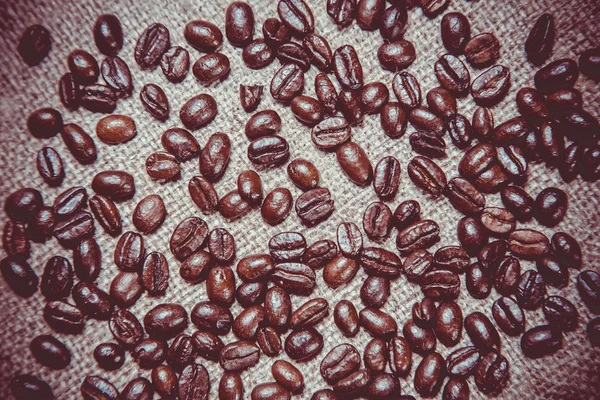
(188, 237)
(109, 356)
(130, 252)
(341, 11)
(551, 142)
(318, 51)
(498, 221)
(347, 67)
(203, 35)
(560, 313)
(126, 289)
(380, 262)
(34, 44)
(541, 341)
(397, 55)
(68, 91)
(271, 390)
(373, 96)
(303, 174)
(276, 206)
(304, 344)
(175, 62)
(424, 312)
(149, 214)
(588, 285)
(375, 291)
(137, 388)
(79, 143)
(87, 260)
(203, 194)
(383, 385)
(275, 33)
(423, 119)
(250, 96)
(440, 284)
(456, 388)
(566, 249)
(278, 307)
(151, 45)
(293, 53)
(429, 375)
(256, 55)
(296, 15)
(231, 386)
(563, 101)
(57, 278)
(482, 50)
(309, 313)
(287, 83)
(220, 285)
(588, 63)
(287, 246)
(456, 32)
(73, 230)
(95, 387)
(481, 332)
(250, 293)
(463, 361)
(532, 104)
(268, 151)
(581, 127)
(98, 98)
(126, 328)
(528, 243)
(92, 301)
(517, 201)
(531, 290)
(354, 383)
(108, 34)
(375, 355)
(465, 197)
(106, 213)
(348, 104)
(482, 122)
(386, 179)
(207, 345)
(63, 317)
(44, 123)
(198, 111)
(232, 206)
(369, 14)
(14, 240)
(460, 131)
(551, 206)
(326, 92)
(491, 86)
(377, 221)
(294, 277)
(478, 283)
(287, 375)
(83, 67)
(509, 316)
(313, 206)
(254, 268)
(165, 320)
(155, 274)
(149, 353)
(540, 39)
(393, 120)
(69, 202)
(155, 101)
(263, 123)
(246, 324)
(181, 143)
(349, 239)
(324, 394)
(50, 166)
(29, 387)
(51, 352)
(163, 166)
(115, 185)
(441, 102)
(393, 22)
(553, 272)
(559, 74)
(331, 133)
(421, 340)
(419, 235)
(214, 157)
(452, 258)
(452, 74)
(491, 255)
(320, 253)
(307, 109)
(378, 323)
(117, 76)
(346, 318)
(506, 275)
(406, 213)
(427, 175)
(211, 67)
(340, 363)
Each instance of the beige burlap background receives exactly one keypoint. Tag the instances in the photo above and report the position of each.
(573, 372)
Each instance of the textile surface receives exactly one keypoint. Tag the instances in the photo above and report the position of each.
(573, 372)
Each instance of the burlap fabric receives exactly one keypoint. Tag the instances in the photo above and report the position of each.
(572, 373)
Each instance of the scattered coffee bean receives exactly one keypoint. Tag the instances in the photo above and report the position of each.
(155, 101)
(163, 166)
(456, 32)
(276, 206)
(541, 341)
(34, 44)
(198, 111)
(79, 143)
(250, 96)
(429, 375)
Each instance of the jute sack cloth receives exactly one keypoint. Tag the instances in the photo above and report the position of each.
(572, 373)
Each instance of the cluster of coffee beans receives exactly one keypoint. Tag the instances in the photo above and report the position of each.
(552, 128)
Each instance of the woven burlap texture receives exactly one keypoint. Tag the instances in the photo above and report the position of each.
(573, 372)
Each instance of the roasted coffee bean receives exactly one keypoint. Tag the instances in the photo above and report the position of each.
(347, 67)
(287, 83)
(456, 388)
(268, 151)
(397, 55)
(181, 143)
(95, 387)
(231, 386)
(452, 258)
(460, 131)
(296, 15)
(349, 239)
(375, 355)
(588, 63)
(57, 278)
(232, 206)
(155, 274)
(465, 197)
(257, 54)
(380, 262)
(307, 109)
(175, 62)
(108, 34)
(207, 345)
(348, 103)
(375, 291)
(452, 74)
(407, 90)
(369, 14)
(83, 67)
(109, 356)
(70, 202)
(92, 301)
(394, 21)
(203, 194)
(481, 332)
(254, 268)
(326, 92)
(79, 143)
(287, 375)
(440, 284)
(377, 220)
(563, 101)
(354, 383)
(551, 142)
(478, 283)
(340, 363)
(399, 356)
(126, 289)
(498, 221)
(559, 74)
(149, 353)
(320, 253)
(30, 387)
(239, 24)
(194, 268)
(421, 340)
(471, 234)
(246, 324)
(98, 98)
(14, 240)
(250, 293)
(203, 35)
(441, 102)
(506, 275)
(406, 213)
(331, 133)
(517, 201)
(19, 276)
(482, 50)
(63, 317)
(341, 11)
(165, 320)
(310, 313)
(540, 39)
(318, 51)
(419, 235)
(287, 246)
(423, 119)
(220, 285)
(263, 123)
(551, 206)
(456, 32)
(130, 252)
(138, 388)
(211, 67)
(531, 290)
(198, 111)
(528, 243)
(373, 96)
(250, 96)
(491, 255)
(393, 120)
(278, 307)
(553, 272)
(269, 341)
(593, 331)
(34, 44)
(151, 45)
(378, 323)
(483, 122)
(87, 260)
(582, 128)
(313, 206)
(214, 157)
(271, 390)
(427, 175)
(428, 143)
(462, 362)
(304, 344)
(73, 230)
(324, 394)
(106, 213)
(383, 385)
(560, 313)
(423, 312)
(117, 76)
(541, 341)
(276, 206)
(346, 318)
(566, 249)
(532, 104)
(50, 166)
(188, 237)
(509, 316)
(294, 277)
(275, 33)
(45, 123)
(125, 327)
(430, 374)
(588, 285)
(386, 179)
(149, 214)
(68, 91)
(116, 185)
(155, 101)
(293, 53)
(491, 86)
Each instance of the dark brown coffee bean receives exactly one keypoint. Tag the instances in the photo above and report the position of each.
(287, 375)
(456, 32)
(271, 390)
(378, 323)
(198, 111)
(254, 268)
(21, 204)
(393, 120)
(421, 340)
(531, 290)
(560, 313)
(151, 45)
(397, 55)
(540, 39)
(247, 323)
(326, 92)
(314, 206)
(491, 255)
(231, 387)
(287, 246)
(582, 128)
(287, 83)
(386, 179)
(232, 206)
(341, 11)
(92, 301)
(57, 278)
(380, 262)
(256, 55)
(375, 291)
(423, 119)
(347, 67)
(296, 15)
(268, 151)
(498, 221)
(87, 260)
(14, 240)
(460, 131)
(263, 123)
(83, 67)
(34, 44)
(155, 274)
(155, 101)
(275, 33)
(293, 53)
(373, 96)
(307, 109)
(588, 286)
(30, 387)
(320, 253)
(407, 90)
(214, 157)
(377, 221)
(203, 194)
(117, 76)
(476, 160)
(509, 316)
(375, 355)
(294, 277)
(471, 234)
(331, 133)
(126, 328)
(483, 122)
(452, 74)
(456, 388)
(532, 104)
(138, 388)
(419, 235)
(452, 258)
(528, 243)
(68, 91)
(70, 202)
(482, 333)
(50, 166)
(430, 374)
(126, 289)
(163, 166)
(588, 63)
(309, 313)
(130, 252)
(440, 284)
(250, 293)
(278, 307)
(269, 341)
(149, 353)
(304, 344)
(491, 86)
(116, 185)
(181, 143)
(203, 36)
(79, 143)
(551, 142)
(207, 345)
(462, 362)
(563, 101)
(348, 104)
(349, 239)
(149, 214)
(109, 356)
(465, 197)
(427, 175)
(340, 363)
(318, 51)
(478, 283)
(346, 318)
(175, 62)
(276, 206)
(482, 50)
(73, 230)
(354, 383)
(303, 174)
(239, 23)
(106, 213)
(95, 387)
(441, 102)
(406, 213)
(423, 312)
(211, 67)
(369, 14)
(324, 394)
(399, 356)
(517, 201)
(63, 317)
(566, 249)
(98, 98)
(19, 276)
(108, 34)
(559, 74)
(165, 320)
(188, 237)
(394, 21)
(506, 275)
(553, 272)
(551, 206)
(541, 341)
(220, 285)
